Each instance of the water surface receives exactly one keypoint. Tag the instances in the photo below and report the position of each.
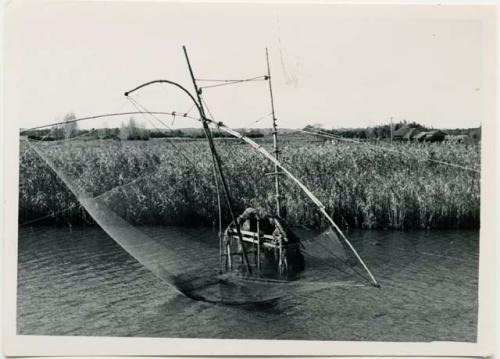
(80, 282)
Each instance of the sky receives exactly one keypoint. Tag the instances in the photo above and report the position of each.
(335, 65)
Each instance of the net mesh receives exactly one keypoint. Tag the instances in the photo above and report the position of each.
(124, 186)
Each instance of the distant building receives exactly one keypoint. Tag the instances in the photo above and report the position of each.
(406, 133)
(420, 136)
(403, 133)
(456, 138)
(433, 136)
(410, 134)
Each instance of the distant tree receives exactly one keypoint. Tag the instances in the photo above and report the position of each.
(132, 131)
(253, 133)
(101, 132)
(115, 133)
(70, 129)
(370, 132)
(310, 128)
(123, 132)
(56, 133)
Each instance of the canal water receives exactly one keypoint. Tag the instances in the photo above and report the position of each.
(79, 281)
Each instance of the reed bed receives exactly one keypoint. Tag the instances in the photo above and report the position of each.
(150, 183)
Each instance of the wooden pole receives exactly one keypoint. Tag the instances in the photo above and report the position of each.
(266, 154)
(391, 130)
(229, 258)
(275, 140)
(217, 163)
(258, 247)
(314, 199)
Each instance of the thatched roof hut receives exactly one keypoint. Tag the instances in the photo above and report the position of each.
(420, 136)
(434, 136)
(403, 132)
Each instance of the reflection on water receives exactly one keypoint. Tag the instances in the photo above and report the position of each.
(80, 282)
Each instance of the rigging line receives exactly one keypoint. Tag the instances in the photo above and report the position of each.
(209, 112)
(179, 150)
(137, 104)
(122, 105)
(222, 84)
(98, 116)
(259, 119)
(223, 138)
(219, 208)
(264, 77)
(129, 183)
(103, 194)
(259, 78)
(409, 154)
(145, 110)
(337, 267)
(49, 132)
(96, 197)
(153, 113)
(52, 214)
(340, 138)
(314, 199)
(219, 213)
(190, 109)
(213, 118)
(133, 102)
(140, 106)
(64, 140)
(216, 180)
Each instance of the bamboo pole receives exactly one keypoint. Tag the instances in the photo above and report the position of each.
(258, 247)
(275, 139)
(260, 149)
(217, 162)
(313, 198)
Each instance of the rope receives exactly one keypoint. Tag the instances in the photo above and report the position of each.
(153, 113)
(217, 189)
(259, 119)
(181, 152)
(340, 138)
(106, 193)
(98, 116)
(190, 109)
(219, 212)
(209, 112)
(233, 82)
(223, 138)
(38, 219)
(256, 78)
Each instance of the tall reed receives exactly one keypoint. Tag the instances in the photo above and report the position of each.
(361, 187)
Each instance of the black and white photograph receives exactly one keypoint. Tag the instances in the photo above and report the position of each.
(281, 173)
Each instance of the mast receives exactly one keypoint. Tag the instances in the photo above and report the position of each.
(275, 140)
(217, 163)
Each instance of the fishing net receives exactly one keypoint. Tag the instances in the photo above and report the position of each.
(127, 187)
